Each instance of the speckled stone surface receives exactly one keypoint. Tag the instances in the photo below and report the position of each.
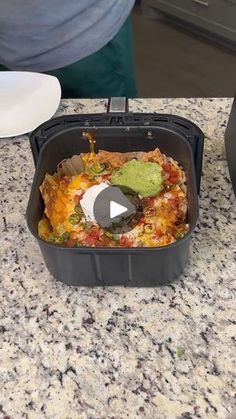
(68, 353)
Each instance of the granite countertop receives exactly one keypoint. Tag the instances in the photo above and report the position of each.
(68, 353)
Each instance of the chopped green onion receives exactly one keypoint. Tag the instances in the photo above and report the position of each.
(108, 234)
(87, 226)
(65, 236)
(78, 244)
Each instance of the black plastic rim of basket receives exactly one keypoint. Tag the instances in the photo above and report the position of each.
(188, 129)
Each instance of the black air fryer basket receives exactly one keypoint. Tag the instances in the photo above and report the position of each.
(60, 138)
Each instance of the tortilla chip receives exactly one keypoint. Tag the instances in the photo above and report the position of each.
(70, 167)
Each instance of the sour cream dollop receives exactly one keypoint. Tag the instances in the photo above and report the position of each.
(88, 200)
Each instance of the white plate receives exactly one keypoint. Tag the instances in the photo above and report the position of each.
(26, 101)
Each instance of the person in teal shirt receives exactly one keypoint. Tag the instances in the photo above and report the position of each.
(87, 44)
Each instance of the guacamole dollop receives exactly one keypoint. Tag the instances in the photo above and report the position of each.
(145, 178)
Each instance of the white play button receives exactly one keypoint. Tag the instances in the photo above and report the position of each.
(116, 209)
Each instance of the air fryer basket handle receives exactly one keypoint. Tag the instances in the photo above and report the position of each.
(118, 105)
